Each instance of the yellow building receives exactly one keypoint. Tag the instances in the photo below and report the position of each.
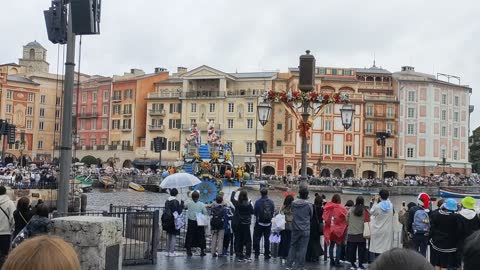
(164, 120)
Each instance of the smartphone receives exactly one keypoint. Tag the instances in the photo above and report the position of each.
(403, 203)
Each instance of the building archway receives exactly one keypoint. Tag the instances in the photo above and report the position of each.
(309, 171)
(390, 174)
(268, 170)
(349, 173)
(325, 173)
(32, 54)
(369, 174)
(127, 164)
(289, 169)
(337, 173)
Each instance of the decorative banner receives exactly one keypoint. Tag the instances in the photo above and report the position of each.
(292, 100)
(304, 128)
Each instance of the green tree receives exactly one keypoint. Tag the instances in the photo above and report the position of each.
(89, 160)
(475, 150)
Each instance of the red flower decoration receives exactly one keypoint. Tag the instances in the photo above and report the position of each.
(296, 94)
(283, 97)
(313, 96)
(337, 98)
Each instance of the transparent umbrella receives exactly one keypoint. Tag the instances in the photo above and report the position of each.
(180, 180)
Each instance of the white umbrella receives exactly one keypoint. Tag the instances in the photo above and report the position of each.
(180, 180)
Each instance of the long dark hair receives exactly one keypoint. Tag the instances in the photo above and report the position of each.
(359, 206)
(288, 201)
(243, 196)
(336, 198)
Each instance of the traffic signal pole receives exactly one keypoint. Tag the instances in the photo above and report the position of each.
(66, 143)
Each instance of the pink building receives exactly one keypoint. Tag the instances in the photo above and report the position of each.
(434, 119)
(92, 105)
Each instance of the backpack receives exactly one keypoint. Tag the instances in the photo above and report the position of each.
(218, 218)
(266, 211)
(167, 217)
(421, 222)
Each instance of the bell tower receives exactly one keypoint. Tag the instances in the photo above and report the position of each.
(34, 58)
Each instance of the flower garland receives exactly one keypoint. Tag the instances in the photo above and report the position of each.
(304, 128)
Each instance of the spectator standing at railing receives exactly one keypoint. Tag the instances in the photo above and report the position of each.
(195, 233)
(264, 210)
(381, 224)
(172, 206)
(241, 222)
(217, 225)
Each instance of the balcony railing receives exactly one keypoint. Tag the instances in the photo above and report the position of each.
(88, 115)
(161, 95)
(203, 94)
(116, 98)
(380, 98)
(126, 128)
(156, 128)
(243, 93)
(156, 112)
(127, 113)
(377, 85)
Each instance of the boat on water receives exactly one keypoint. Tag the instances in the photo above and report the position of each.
(136, 187)
(86, 182)
(455, 193)
(107, 182)
(358, 191)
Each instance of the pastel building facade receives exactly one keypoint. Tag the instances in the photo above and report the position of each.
(434, 119)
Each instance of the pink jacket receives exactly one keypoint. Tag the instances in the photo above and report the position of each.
(335, 216)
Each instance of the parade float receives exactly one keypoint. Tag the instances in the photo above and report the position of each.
(212, 162)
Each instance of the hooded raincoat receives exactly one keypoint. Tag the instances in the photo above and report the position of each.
(381, 226)
(335, 216)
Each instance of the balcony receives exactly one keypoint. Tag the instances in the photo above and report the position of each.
(156, 128)
(383, 98)
(203, 94)
(116, 99)
(156, 112)
(243, 93)
(163, 95)
(87, 115)
(375, 86)
(125, 129)
(127, 113)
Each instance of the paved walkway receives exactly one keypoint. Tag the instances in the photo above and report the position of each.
(199, 263)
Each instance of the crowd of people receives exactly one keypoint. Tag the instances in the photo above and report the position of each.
(355, 233)
(436, 180)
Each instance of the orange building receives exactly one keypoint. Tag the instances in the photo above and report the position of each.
(129, 108)
(19, 106)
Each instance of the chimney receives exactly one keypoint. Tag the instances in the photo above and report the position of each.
(408, 68)
(160, 69)
(137, 72)
(181, 70)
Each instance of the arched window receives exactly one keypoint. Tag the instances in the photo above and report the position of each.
(32, 54)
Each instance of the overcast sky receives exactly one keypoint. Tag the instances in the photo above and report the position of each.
(255, 35)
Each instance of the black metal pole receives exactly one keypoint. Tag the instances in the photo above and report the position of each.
(3, 148)
(66, 146)
(160, 161)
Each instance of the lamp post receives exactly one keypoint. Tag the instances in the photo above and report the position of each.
(306, 105)
(263, 110)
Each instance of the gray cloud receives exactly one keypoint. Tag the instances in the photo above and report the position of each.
(433, 36)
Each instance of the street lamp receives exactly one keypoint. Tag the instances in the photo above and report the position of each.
(264, 110)
(306, 105)
(347, 111)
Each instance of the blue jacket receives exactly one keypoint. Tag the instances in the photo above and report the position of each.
(258, 205)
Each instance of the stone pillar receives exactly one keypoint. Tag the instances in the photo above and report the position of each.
(97, 240)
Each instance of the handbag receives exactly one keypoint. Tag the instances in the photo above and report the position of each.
(278, 223)
(202, 220)
(367, 233)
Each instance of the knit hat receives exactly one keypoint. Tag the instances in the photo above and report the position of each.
(468, 203)
(450, 204)
(423, 200)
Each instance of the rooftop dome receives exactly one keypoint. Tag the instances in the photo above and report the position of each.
(34, 44)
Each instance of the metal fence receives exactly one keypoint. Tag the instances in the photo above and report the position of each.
(140, 233)
(28, 185)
